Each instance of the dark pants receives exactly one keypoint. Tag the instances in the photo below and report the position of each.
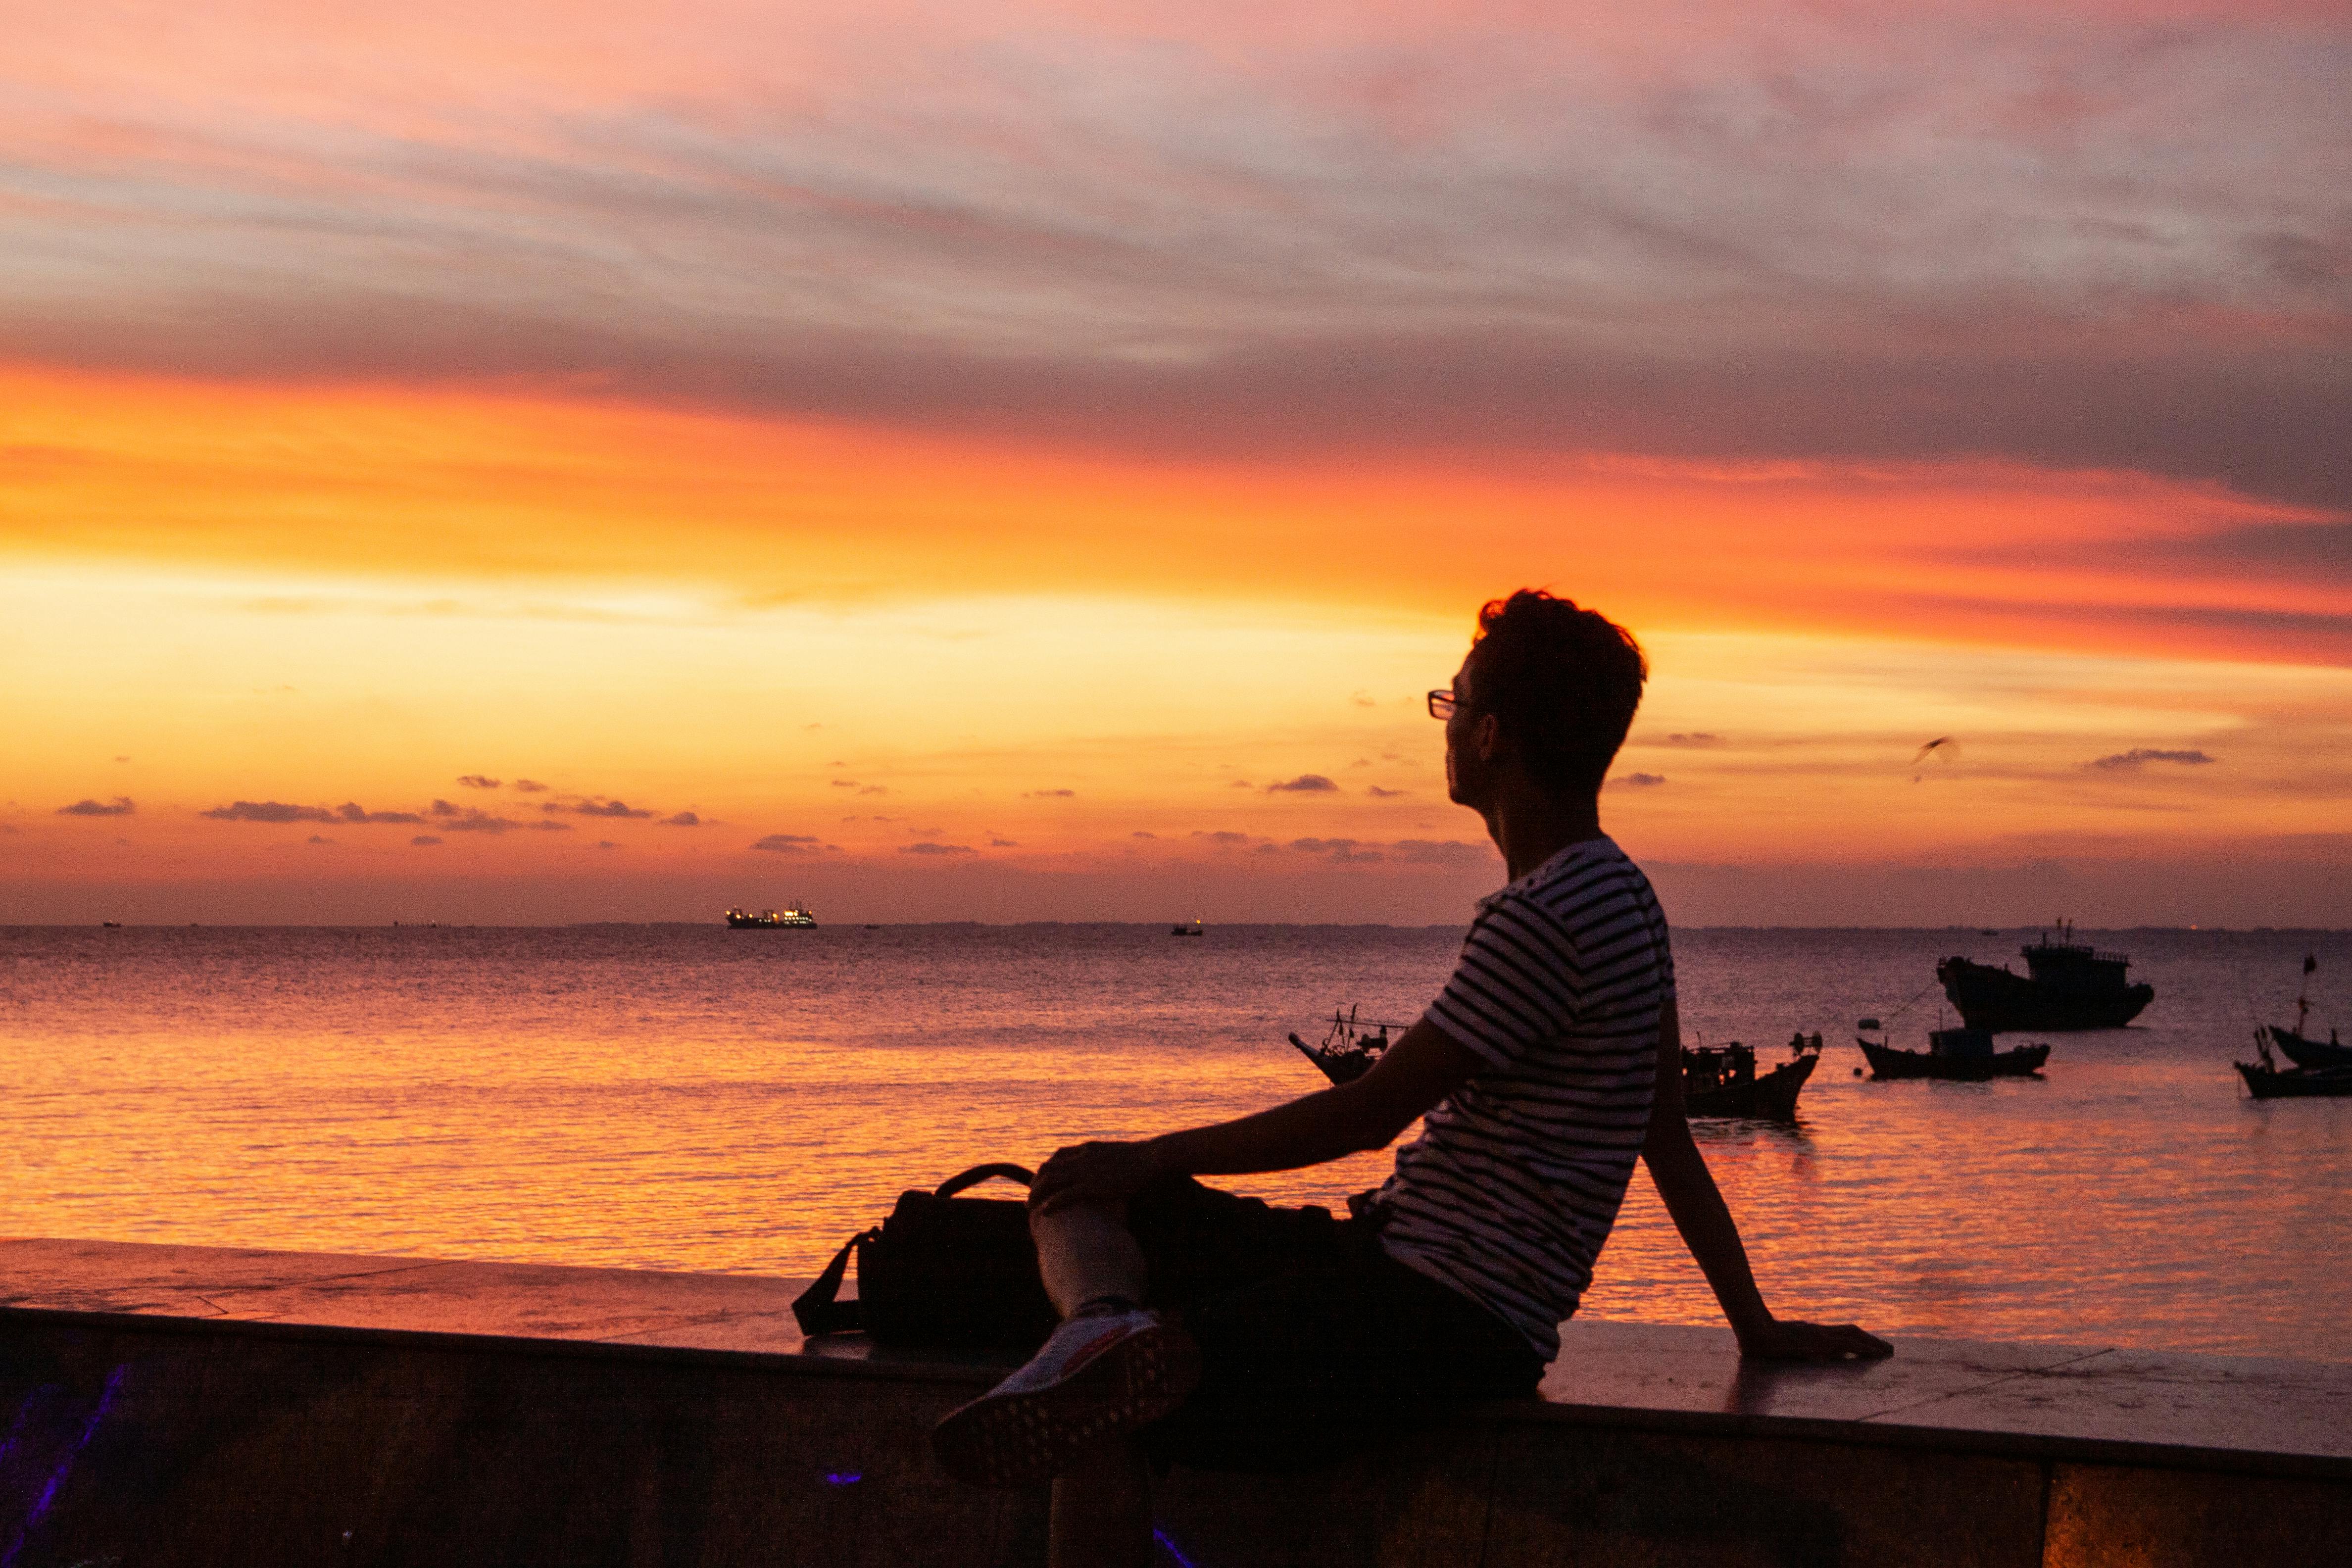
(1314, 1341)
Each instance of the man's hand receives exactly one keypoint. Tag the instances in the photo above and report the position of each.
(1093, 1172)
(1785, 1339)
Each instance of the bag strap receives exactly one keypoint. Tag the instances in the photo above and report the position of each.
(979, 1174)
(815, 1308)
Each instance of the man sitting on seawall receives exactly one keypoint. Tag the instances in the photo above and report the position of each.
(1211, 1328)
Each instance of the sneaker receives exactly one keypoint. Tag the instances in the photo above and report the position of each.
(1095, 1378)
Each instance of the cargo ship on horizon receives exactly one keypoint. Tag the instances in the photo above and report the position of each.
(796, 916)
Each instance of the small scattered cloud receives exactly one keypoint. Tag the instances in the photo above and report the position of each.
(548, 825)
(875, 789)
(683, 819)
(451, 819)
(1692, 738)
(123, 758)
(617, 809)
(120, 805)
(1440, 852)
(1639, 781)
(1305, 784)
(845, 783)
(1138, 832)
(2140, 756)
(795, 844)
(269, 811)
(811, 726)
(1376, 793)
(319, 838)
(1363, 699)
(530, 786)
(928, 848)
(1051, 793)
(1222, 835)
(1269, 849)
(1004, 843)
(1345, 850)
(1241, 783)
(606, 844)
(352, 811)
(424, 840)
(478, 781)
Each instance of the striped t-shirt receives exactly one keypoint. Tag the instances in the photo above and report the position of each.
(1513, 1184)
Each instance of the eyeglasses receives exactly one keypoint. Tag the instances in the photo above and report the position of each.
(1442, 703)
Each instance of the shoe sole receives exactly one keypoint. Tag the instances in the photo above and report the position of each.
(1016, 1440)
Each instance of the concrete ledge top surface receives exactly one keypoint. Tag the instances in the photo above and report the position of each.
(2084, 1399)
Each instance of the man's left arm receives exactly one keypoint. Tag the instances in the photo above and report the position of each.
(1423, 1066)
(1708, 1229)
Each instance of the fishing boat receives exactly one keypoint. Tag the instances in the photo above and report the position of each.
(2068, 985)
(1723, 1081)
(2295, 1083)
(1193, 929)
(1350, 1045)
(1964, 1055)
(2298, 1048)
(2305, 1052)
(795, 918)
(2266, 1080)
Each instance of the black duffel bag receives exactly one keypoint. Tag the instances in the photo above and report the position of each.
(941, 1270)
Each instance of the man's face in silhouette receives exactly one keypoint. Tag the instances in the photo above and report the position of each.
(1469, 742)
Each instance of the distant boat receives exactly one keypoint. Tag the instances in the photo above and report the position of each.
(1191, 930)
(794, 918)
(110, 925)
(1965, 1055)
(1722, 1081)
(2068, 985)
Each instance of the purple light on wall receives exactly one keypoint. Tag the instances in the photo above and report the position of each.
(832, 1478)
(65, 1466)
(1169, 1547)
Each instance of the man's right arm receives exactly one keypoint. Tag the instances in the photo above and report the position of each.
(1707, 1228)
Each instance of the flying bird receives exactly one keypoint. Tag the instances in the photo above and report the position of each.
(1943, 746)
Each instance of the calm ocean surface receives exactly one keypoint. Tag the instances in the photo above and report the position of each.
(700, 1099)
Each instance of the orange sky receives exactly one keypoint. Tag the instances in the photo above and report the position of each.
(979, 469)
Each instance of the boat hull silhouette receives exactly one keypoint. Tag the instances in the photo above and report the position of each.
(1893, 1061)
(2299, 1083)
(2309, 1053)
(1726, 1083)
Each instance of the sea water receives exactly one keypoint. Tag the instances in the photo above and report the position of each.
(693, 1097)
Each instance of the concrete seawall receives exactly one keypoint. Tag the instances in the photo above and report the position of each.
(171, 1405)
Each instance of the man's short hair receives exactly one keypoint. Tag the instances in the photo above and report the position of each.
(1563, 680)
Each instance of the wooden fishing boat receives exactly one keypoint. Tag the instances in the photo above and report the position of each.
(2304, 1052)
(1962, 1054)
(2299, 1047)
(1349, 1047)
(1191, 930)
(1723, 1081)
(2295, 1083)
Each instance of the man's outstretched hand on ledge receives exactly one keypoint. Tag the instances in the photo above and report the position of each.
(1785, 1339)
(1092, 1172)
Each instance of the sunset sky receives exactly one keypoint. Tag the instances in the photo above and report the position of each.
(538, 462)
